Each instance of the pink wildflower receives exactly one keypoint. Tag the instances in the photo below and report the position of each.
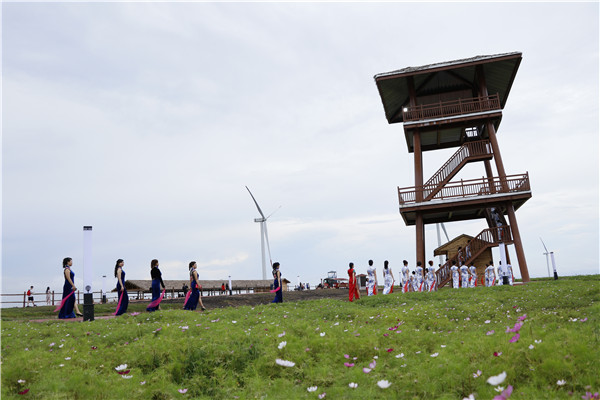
(515, 338)
(505, 394)
(349, 365)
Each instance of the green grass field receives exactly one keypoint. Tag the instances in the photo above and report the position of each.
(425, 345)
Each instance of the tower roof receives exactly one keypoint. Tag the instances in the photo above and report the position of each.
(444, 77)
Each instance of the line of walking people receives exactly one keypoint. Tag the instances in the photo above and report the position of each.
(67, 304)
(466, 276)
(419, 280)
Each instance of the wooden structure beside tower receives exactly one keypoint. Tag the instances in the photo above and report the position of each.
(458, 104)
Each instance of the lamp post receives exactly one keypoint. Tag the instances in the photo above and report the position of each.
(88, 296)
(230, 288)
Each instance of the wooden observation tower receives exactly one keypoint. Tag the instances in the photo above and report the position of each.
(458, 104)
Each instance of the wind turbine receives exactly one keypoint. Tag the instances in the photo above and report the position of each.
(264, 237)
(551, 253)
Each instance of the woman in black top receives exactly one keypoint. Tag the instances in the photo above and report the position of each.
(157, 282)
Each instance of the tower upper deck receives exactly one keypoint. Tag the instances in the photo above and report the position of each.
(445, 101)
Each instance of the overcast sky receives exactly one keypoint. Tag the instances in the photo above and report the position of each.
(146, 121)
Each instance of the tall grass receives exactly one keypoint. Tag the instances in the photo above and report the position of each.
(231, 353)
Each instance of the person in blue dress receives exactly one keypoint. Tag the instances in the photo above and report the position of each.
(68, 297)
(193, 296)
(123, 297)
(277, 284)
(157, 282)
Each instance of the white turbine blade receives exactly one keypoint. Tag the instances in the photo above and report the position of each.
(255, 202)
(273, 212)
(268, 246)
(544, 245)
(444, 229)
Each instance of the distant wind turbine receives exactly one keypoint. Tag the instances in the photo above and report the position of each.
(264, 237)
(551, 253)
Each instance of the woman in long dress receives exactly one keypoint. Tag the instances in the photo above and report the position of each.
(464, 276)
(405, 277)
(388, 278)
(194, 294)
(157, 282)
(473, 277)
(352, 283)
(123, 296)
(455, 275)
(277, 284)
(68, 298)
(371, 279)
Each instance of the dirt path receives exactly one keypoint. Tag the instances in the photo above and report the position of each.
(264, 298)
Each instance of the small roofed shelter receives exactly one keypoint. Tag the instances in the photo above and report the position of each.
(450, 251)
(284, 284)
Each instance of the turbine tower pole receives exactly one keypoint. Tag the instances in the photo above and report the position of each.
(262, 247)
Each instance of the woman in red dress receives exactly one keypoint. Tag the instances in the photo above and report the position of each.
(353, 287)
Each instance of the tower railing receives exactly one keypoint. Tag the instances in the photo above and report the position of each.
(468, 188)
(469, 151)
(451, 108)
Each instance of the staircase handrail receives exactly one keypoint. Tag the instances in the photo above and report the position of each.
(468, 149)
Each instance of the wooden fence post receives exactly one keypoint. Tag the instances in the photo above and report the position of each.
(24, 298)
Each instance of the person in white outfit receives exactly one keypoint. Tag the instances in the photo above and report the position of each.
(419, 277)
(464, 276)
(371, 279)
(430, 277)
(455, 275)
(490, 276)
(388, 278)
(509, 273)
(473, 281)
(501, 274)
(405, 277)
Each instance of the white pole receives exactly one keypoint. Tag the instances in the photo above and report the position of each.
(501, 248)
(262, 248)
(104, 286)
(87, 259)
(88, 275)
(439, 238)
(548, 265)
(230, 288)
(553, 265)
